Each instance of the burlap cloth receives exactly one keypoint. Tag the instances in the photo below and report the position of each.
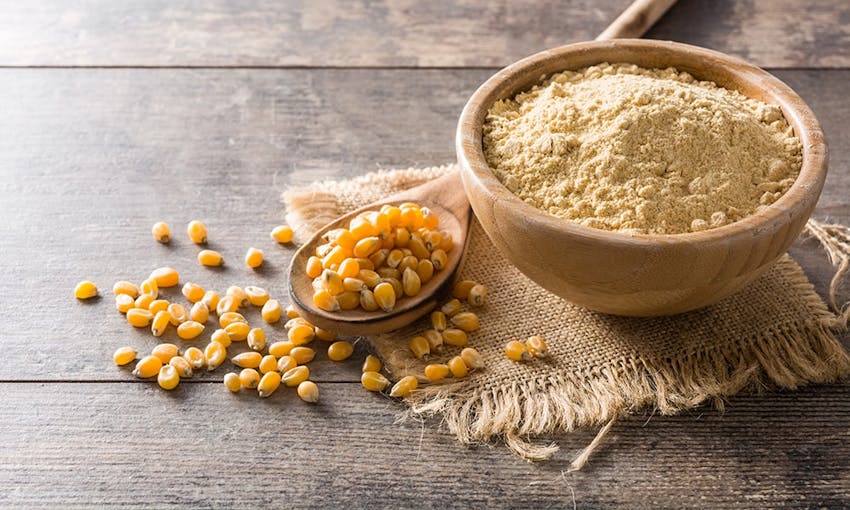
(777, 332)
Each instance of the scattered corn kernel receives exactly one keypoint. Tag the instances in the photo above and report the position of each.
(295, 376)
(436, 372)
(238, 293)
(193, 292)
(372, 364)
(286, 363)
(472, 358)
(257, 296)
(302, 355)
(451, 307)
(404, 386)
(168, 378)
(232, 382)
(462, 288)
(144, 301)
(308, 391)
(267, 364)
(455, 337)
(228, 318)
(301, 334)
(195, 357)
(158, 305)
(477, 295)
(124, 356)
(124, 302)
(458, 367)
(298, 321)
(248, 359)
(271, 311)
(385, 296)
(183, 367)
(149, 286)
(536, 346)
(374, 381)
(256, 339)
(249, 378)
(210, 258)
(161, 232)
(147, 367)
(197, 232)
(160, 323)
(85, 290)
(515, 350)
(254, 258)
(165, 277)
(339, 351)
(178, 314)
(211, 299)
(282, 234)
(125, 287)
(238, 331)
(291, 312)
(324, 334)
(438, 320)
(269, 383)
(279, 349)
(466, 321)
(435, 339)
(189, 330)
(221, 336)
(214, 354)
(139, 317)
(199, 312)
(419, 346)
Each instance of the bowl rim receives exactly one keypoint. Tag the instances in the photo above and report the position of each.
(806, 187)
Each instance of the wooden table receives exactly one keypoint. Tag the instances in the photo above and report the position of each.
(117, 114)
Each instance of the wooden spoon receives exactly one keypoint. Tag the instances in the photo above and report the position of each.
(445, 197)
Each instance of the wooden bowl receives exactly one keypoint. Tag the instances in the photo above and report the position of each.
(640, 274)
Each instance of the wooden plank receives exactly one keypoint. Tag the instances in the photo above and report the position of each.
(772, 33)
(90, 159)
(131, 445)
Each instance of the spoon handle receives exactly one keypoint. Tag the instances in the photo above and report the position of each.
(636, 19)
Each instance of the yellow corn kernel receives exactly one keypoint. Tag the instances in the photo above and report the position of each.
(324, 300)
(324, 334)
(124, 356)
(456, 337)
(378, 258)
(248, 359)
(410, 282)
(295, 376)
(360, 228)
(417, 246)
(123, 302)
(239, 294)
(269, 384)
(193, 292)
(466, 321)
(147, 367)
(332, 282)
(458, 367)
(439, 259)
(267, 364)
(308, 391)
(314, 267)
(462, 288)
(402, 237)
(389, 272)
(339, 351)
(279, 349)
(446, 241)
(189, 330)
(372, 364)
(125, 287)
(302, 355)
(349, 268)
(404, 386)
(298, 321)
(451, 307)
(430, 220)
(301, 334)
(210, 258)
(149, 286)
(392, 214)
(425, 270)
(232, 382)
(282, 234)
(419, 346)
(385, 296)
(160, 323)
(237, 331)
(335, 256)
(323, 249)
(410, 215)
(168, 378)
(364, 264)
(221, 336)
(346, 239)
(435, 339)
(477, 295)
(353, 284)
(291, 312)
(374, 381)
(178, 314)
(158, 305)
(286, 363)
(257, 296)
(161, 232)
(432, 240)
(184, 369)
(254, 258)
(536, 346)
(367, 300)
(394, 258)
(165, 277)
(438, 320)
(211, 299)
(256, 339)
(197, 232)
(515, 350)
(271, 311)
(227, 304)
(195, 357)
(369, 277)
(398, 287)
(199, 312)
(348, 300)
(249, 378)
(139, 317)
(409, 261)
(214, 355)
(436, 372)
(472, 358)
(144, 301)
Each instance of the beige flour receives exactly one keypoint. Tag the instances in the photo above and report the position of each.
(619, 147)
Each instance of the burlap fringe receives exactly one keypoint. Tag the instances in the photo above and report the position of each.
(835, 240)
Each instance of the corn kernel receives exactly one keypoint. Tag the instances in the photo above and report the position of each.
(404, 387)
(334, 257)
(456, 337)
(353, 284)
(372, 364)
(438, 320)
(466, 321)
(238, 331)
(365, 264)
(226, 310)
(324, 300)
(398, 287)
(139, 317)
(515, 350)
(123, 302)
(332, 282)
(214, 354)
(232, 382)
(323, 249)
(221, 336)
(477, 295)
(308, 391)
(301, 334)
(85, 290)
(439, 259)
(339, 351)
(419, 346)
(385, 296)
(197, 232)
(298, 321)
(324, 334)
(472, 358)
(302, 355)
(458, 367)
(435, 339)
(367, 300)
(189, 330)
(389, 272)
(211, 299)
(254, 258)
(124, 356)
(271, 311)
(432, 240)
(461, 289)
(417, 246)
(158, 305)
(360, 228)
(168, 378)
(451, 307)
(257, 296)
(249, 378)
(161, 232)
(199, 312)
(165, 277)
(184, 369)
(394, 258)
(379, 257)
(285, 363)
(178, 314)
(295, 376)
(210, 258)
(149, 286)
(291, 312)
(536, 346)
(279, 349)
(267, 364)
(369, 277)
(314, 267)
(425, 270)
(349, 268)
(144, 301)
(195, 357)
(411, 262)
(282, 234)
(269, 384)
(348, 300)
(160, 323)
(374, 381)
(256, 339)
(436, 372)
(147, 367)
(248, 359)
(411, 282)
(125, 287)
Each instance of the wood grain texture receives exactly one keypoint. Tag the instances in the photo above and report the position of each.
(131, 445)
(771, 33)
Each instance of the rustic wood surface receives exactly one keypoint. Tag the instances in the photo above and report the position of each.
(90, 158)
